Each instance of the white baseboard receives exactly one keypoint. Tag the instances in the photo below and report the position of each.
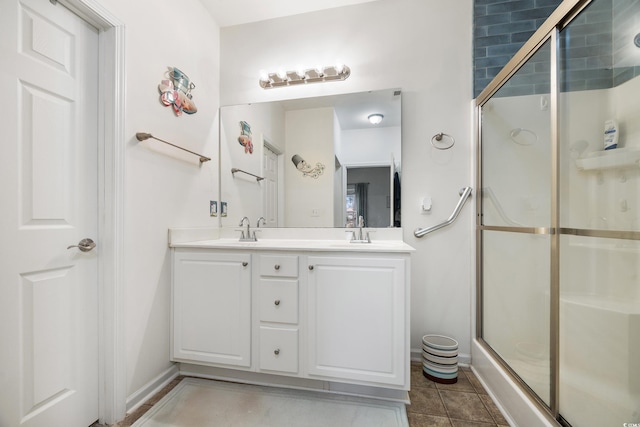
(152, 387)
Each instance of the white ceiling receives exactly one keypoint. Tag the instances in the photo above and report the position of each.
(353, 109)
(235, 12)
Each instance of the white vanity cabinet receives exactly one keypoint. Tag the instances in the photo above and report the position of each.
(357, 323)
(211, 307)
(328, 311)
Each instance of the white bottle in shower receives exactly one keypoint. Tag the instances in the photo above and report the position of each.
(611, 132)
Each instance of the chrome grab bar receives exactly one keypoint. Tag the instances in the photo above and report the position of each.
(464, 195)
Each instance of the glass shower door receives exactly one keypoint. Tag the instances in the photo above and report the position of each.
(599, 306)
(515, 222)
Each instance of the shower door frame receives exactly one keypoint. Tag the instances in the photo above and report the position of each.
(548, 31)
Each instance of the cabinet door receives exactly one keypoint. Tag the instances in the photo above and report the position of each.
(357, 319)
(212, 308)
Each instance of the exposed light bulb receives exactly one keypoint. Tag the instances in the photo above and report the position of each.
(264, 76)
(339, 67)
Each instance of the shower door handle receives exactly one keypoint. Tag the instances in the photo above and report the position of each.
(85, 245)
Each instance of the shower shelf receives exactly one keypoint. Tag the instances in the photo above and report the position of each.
(610, 159)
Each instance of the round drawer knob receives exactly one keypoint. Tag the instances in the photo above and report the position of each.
(277, 267)
(245, 263)
(311, 267)
(277, 302)
(276, 351)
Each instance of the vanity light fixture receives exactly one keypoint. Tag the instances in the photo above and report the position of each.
(375, 119)
(304, 76)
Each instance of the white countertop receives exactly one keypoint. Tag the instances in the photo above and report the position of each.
(326, 240)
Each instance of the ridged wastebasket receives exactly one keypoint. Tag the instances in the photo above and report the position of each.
(440, 359)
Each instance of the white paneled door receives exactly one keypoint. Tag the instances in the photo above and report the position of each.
(48, 164)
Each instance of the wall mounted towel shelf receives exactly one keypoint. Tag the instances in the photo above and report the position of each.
(610, 159)
(141, 136)
(234, 170)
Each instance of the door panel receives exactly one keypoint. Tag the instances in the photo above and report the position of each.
(516, 195)
(46, 120)
(48, 294)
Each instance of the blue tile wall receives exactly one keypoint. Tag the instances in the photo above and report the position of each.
(586, 60)
(500, 29)
(626, 16)
(596, 50)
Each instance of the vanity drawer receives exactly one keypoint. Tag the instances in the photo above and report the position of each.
(278, 300)
(279, 265)
(279, 349)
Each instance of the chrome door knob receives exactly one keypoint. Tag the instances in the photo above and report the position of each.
(85, 245)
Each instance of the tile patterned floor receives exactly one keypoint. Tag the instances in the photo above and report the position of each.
(463, 404)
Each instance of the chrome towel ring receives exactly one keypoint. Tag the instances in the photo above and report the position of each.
(439, 137)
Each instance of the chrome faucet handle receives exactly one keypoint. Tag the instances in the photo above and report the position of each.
(368, 239)
(254, 237)
(353, 234)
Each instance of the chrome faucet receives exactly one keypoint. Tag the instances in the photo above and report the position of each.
(246, 237)
(360, 238)
(260, 220)
(360, 225)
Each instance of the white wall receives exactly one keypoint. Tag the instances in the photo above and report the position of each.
(309, 134)
(164, 186)
(425, 48)
(371, 145)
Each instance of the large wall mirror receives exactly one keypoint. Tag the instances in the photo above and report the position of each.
(316, 162)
